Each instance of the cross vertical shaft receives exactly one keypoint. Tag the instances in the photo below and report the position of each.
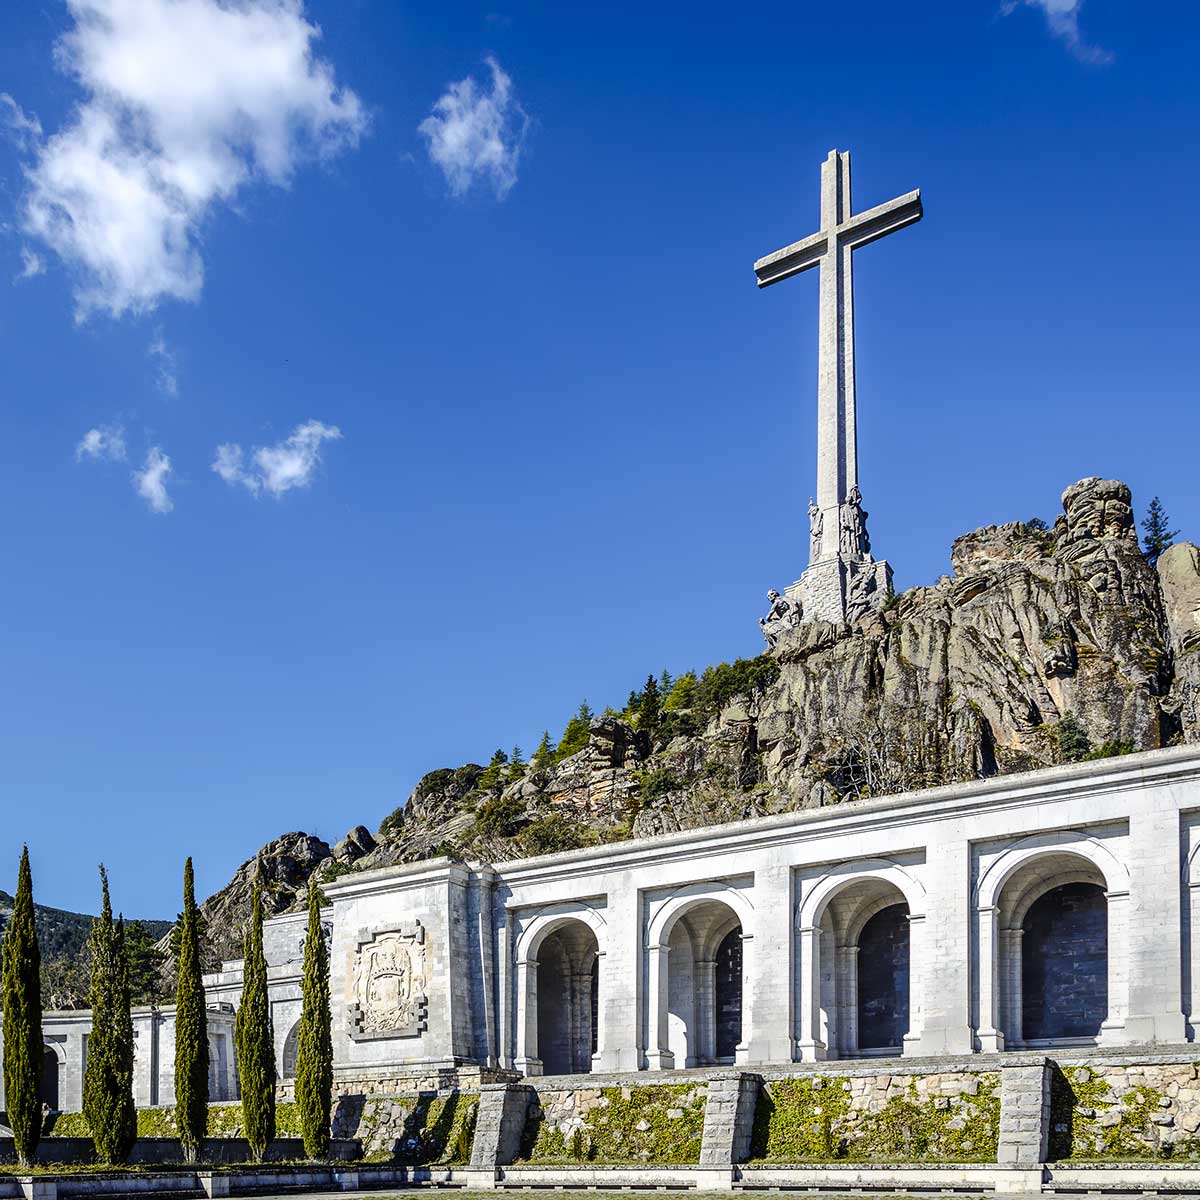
(837, 445)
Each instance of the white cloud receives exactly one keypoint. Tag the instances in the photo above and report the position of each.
(1062, 19)
(276, 469)
(166, 377)
(185, 102)
(105, 443)
(31, 265)
(151, 481)
(476, 134)
(23, 130)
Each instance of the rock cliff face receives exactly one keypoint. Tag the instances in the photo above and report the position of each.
(1045, 644)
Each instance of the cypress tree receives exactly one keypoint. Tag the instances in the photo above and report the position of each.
(314, 1053)
(21, 997)
(254, 1038)
(108, 1078)
(1158, 535)
(191, 1029)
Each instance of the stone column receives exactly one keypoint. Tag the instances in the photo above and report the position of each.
(621, 1012)
(1012, 999)
(704, 1013)
(911, 1042)
(767, 968)
(991, 1023)
(658, 1047)
(749, 957)
(598, 1057)
(845, 988)
(809, 1044)
(947, 1027)
(1153, 946)
(527, 1060)
(505, 987)
(1115, 1030)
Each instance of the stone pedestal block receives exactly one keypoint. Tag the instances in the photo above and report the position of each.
(499, 1126)
(1024, 1115)
(728, 1120)
(841, 589)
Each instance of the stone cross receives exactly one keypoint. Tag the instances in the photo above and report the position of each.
(831, 248)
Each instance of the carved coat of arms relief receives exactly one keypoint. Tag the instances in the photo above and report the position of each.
(389, 984)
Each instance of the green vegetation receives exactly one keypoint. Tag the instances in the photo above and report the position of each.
(501, 816)
(1074, 745)
(191, 1029)
(253, 1037)
(108, 1077)
(812, 1120)
(543, 756)
(440, 1129)
(1158, 536)
(553, 833)
(576, 735)
(224, 1120)
(21, 998)
(144, 961)
(314, 1052)
(660, 1123)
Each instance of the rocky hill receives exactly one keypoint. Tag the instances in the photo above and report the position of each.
(1046, 644)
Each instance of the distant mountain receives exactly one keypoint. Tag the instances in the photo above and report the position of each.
(63, 934)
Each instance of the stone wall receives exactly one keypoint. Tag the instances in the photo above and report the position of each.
(659, 1123)
(415, 1128)
(939, 1117)
(1125, 1111)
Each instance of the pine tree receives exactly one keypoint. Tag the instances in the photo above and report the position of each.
(577, 733)
(543, 756)
(21, 998)
(191, 1029)
(1158, 536)
(108, 1078)
(314, 1052)
(649, 710)
(145, 961)
(254, 1037)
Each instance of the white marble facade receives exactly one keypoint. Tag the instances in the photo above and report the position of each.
(643, 955)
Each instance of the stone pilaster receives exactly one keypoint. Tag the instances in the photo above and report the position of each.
(728, 1123)
(499, 1127)
(1024, 1115)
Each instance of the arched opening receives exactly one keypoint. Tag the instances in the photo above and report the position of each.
(865, 969)
(1064, 963)
(728, 990)
(48, 1092)
(287, 1065)
(568, 999)
(883, 980)
(1052, 962)
(704, 986)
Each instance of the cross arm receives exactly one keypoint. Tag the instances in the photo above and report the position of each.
(791, 260)
(881, 220)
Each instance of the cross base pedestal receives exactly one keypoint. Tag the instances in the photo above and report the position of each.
(841, 589)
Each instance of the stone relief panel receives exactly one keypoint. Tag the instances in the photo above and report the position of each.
(389, 984)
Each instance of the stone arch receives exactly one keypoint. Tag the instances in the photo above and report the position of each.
(287, 1057)
(558, 953)
(54, 1058)
(696, 957)
(885, 900)
(1065, 892)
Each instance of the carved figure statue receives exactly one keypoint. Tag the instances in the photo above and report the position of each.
(783, 614)
(816, 526)
(853, 540)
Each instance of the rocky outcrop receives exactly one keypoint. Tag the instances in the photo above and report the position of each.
(1179, 578)
(1037, 631)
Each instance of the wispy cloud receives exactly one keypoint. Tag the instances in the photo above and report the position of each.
(22, 129)
(185, 102)
(477, 134)
(276, 469)
(106, 443)
(151, 481)
(164, 358)
(31, 265)
(1062, 19)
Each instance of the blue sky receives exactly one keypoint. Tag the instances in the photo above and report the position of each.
(506, 423)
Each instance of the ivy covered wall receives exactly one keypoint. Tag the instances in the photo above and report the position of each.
(659, 1124)
(880, 1118)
